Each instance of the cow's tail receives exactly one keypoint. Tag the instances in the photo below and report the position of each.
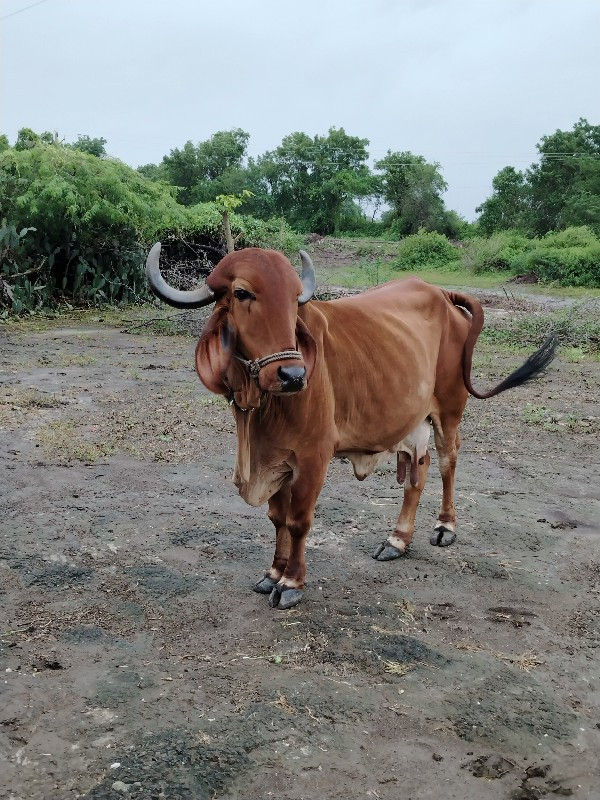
(534, 366)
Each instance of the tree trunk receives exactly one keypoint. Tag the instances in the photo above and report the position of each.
(228, 236)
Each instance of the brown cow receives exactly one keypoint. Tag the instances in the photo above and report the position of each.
(359, 377)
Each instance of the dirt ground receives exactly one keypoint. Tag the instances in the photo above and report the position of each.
(137, 662)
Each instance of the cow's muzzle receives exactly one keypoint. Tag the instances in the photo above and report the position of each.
(292, 378)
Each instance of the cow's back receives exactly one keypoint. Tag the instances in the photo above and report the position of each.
(379, 354)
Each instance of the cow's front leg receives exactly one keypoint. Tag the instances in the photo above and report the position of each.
(398, 542)
(278, 511)
(304, 493)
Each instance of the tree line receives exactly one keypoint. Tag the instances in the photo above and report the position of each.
(319, 184)
(75, 224)
(324, 184)
(561, 190)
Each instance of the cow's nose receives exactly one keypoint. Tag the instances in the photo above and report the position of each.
(292, 378)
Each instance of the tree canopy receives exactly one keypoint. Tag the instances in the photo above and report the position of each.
(561, 190)
(508, 207)
(309, 180)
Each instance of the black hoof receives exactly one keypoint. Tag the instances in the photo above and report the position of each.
(442, 537)
(285, 598)
(265, 586)
(387, 552)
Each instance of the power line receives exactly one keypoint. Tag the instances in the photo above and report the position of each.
(20, 11)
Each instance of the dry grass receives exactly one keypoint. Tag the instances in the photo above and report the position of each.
(15, 403)
(526, 661)
(61, 442)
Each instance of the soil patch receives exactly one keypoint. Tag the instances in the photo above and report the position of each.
(136, 660)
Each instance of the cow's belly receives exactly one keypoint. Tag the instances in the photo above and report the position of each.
(414, 444)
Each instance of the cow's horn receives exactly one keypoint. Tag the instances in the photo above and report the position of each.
(174, 297)
(309, 281)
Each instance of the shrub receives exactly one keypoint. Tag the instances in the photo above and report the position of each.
(425, 249)
(90, 220)
(568, 266)
(570, 257)
(499, 252)
(274, 233)
(570, 237)
(77, 227)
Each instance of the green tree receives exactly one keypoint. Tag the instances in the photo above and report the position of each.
(413, 188)
(203, 171)
(4, 143)
(155, 172)
(565, 185)
(227, 203)
(508, 207)
(26, 139)
(310, 181)
(95, 147)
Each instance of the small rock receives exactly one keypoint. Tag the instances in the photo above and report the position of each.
(437, 757)
(120, 787)
(492, 766)
(537, 770)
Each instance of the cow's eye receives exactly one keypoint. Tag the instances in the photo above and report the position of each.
(243, 294)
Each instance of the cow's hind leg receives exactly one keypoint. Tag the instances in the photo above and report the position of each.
(447, 443)
(398, 542)
(278, 511)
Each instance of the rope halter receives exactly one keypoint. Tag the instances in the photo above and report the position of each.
(254, 367)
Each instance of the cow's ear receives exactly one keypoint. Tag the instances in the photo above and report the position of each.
(307, 346)
(215, 350)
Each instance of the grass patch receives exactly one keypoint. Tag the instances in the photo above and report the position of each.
(39, 322)
(13, 402)
(577, 327)
(556, 421)
(29, 398)
(60, 440)
(365, 274)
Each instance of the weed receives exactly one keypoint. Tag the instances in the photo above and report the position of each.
(534, 415)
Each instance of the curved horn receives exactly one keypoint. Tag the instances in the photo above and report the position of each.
(309, 280)
(174, 297)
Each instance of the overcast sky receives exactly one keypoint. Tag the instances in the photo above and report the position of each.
(471, 84)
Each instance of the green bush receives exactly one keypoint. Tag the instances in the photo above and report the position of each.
(90, 222)
(272, 233)
(570, 237)
(77, 228)
(570, 257)
(499, 252)
(425, 249)
(568, 266)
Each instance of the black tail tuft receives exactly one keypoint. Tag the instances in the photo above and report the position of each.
(535, 365)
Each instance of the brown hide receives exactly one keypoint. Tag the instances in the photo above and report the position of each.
(378, 365)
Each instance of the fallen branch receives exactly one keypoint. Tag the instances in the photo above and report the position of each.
(135, 324)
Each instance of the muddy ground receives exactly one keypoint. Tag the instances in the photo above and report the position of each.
(137, 662)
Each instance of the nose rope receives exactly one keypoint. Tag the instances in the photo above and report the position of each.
(254, 367)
